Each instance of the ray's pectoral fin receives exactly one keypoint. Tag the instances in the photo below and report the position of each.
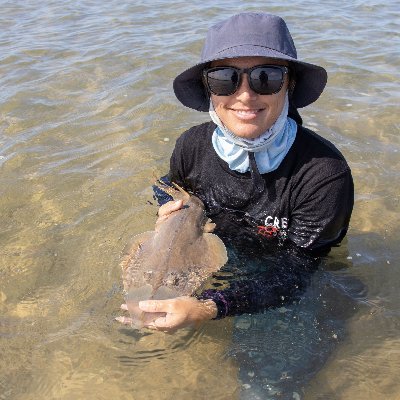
(132, 298)
(216, 254)
(135, 244)
(165, 292)
(131, 255)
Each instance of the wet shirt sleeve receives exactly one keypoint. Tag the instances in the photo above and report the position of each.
(281, 279)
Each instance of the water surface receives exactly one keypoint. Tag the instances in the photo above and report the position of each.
(88, 117)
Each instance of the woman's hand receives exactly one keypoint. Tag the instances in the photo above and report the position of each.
(180, 312)
(167, 209)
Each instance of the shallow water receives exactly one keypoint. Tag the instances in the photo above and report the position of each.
(88, 117)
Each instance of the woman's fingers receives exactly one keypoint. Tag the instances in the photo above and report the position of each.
(166, 210)
(164, 325)
(170, 207)
(124, 320)
(157, 306)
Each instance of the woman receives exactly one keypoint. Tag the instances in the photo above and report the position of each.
(258, 171)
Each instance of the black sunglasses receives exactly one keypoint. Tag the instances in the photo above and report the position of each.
(263, 79)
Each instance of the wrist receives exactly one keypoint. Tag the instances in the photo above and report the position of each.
(220, 303)
(210, 308)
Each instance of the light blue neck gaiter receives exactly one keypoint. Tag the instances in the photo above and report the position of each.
(269, 149)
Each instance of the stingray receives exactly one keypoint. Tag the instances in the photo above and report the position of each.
(173, 260)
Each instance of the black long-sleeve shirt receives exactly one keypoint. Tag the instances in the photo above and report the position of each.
(303, 208)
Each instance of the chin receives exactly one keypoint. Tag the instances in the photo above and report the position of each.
(248, 133)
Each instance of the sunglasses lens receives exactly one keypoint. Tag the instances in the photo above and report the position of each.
(266, 80)
(222, 81)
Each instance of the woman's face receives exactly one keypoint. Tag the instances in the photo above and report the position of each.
(246, 113)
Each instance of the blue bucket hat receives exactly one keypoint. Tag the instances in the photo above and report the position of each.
(249, 35)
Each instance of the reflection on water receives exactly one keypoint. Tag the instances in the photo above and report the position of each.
(87, 118)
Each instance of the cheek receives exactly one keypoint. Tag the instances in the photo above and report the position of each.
(220, 108)
(277, 102)
(277, 105)
(217, 101)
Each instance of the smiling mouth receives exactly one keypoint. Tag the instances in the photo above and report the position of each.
(254, 111)
(247, 113)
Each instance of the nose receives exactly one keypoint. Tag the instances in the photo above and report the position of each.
(244, 91)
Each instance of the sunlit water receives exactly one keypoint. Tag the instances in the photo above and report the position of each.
(88, 117)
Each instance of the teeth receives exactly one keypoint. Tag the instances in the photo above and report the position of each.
(246, 112)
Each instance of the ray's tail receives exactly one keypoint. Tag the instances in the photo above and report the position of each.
(165, 190)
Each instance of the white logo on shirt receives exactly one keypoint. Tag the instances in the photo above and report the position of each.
(281, 223)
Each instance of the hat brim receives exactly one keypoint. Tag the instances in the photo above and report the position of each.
(310, 78)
